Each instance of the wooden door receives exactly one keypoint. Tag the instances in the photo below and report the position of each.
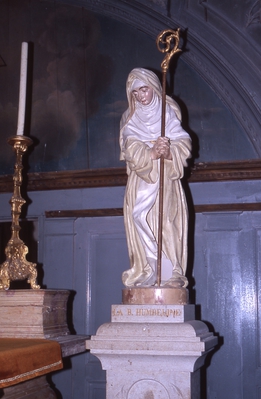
(227, 285)
(87, 256)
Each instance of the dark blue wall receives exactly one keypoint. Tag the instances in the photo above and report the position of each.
(78, 65)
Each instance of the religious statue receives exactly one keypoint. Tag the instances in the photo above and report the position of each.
(142, 147)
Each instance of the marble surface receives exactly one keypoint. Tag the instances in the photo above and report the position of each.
(152, 359)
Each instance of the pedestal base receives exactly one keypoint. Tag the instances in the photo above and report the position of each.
(156, 296)
(36, 314)
(33, 313)
(152, 351)
(38, 388)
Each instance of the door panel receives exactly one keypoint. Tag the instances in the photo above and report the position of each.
(86, 256)
(226, 272)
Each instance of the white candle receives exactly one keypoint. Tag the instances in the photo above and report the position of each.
(22, 92)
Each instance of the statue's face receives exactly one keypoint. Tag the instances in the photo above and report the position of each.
(143, 94)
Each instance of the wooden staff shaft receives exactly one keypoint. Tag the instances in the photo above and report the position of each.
(161, 183)
(166, 37)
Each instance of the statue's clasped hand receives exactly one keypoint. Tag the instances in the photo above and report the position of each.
(161, 148)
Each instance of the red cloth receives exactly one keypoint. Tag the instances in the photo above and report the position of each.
(22, 359)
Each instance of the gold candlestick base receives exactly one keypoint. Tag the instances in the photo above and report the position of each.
(16, 267)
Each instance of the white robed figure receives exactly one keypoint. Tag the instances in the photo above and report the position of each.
(141, 147)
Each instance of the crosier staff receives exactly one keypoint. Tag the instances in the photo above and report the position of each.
(167, 42)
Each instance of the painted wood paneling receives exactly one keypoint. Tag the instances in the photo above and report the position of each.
(227, 277)
(91, 254)
(88, 256)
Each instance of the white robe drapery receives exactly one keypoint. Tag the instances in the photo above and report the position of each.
(140, 127)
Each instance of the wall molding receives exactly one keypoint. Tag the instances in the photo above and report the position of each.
(113, 177)
(201, 208)
(226, 171)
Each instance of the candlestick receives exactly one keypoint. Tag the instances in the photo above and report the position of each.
(22, 91)
(16, 266)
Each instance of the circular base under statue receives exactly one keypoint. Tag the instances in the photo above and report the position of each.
(155, 296)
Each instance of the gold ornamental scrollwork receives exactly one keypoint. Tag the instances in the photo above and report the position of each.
(168, 42)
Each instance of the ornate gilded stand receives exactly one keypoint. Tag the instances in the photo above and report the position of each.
(16, 267)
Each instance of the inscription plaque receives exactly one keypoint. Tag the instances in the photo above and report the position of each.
(152, 313)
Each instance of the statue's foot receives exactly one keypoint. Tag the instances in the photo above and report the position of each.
(176, 282)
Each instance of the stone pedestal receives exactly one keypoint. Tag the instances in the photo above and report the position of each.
(152, 351)
(33, 313)
(37, 314)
